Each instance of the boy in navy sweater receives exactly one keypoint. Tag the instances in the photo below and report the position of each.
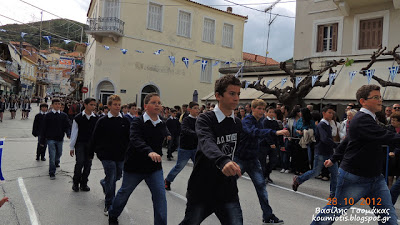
(323, 150)
(143, 161)
(188, 143)
(37, 126)
(174, 127)
(109, 141)
(212, 186)
(360, 173)
(55, 125)
(82, 130)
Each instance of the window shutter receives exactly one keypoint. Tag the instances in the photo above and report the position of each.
(227, 35)
(184, 24)
(320, 38)
(154, 17)
(334, 37)
(208, 30)
(371, 32)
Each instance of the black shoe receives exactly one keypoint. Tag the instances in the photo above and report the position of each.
(112, 221)
(58, 165)
(167, 185)
(169, 158)
(85, 188)
(37, 158)
(52, 177)
(75, 187)
(295, 183)
(43, 159)
(273, 220)
(269, 180)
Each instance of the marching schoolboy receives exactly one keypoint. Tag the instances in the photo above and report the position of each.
(55, 125)
(132, 113)
(82, 130)
(37, 126)
(188, 143)
(109, 141)
(174, 127)
(143, 161)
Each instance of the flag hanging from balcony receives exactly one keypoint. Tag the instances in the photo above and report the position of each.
(269, 82)
(313, 80)
(106, 47)
(332, 77)
(186, 61)
(138, 51)
(283, 81)
(158, 52)
(203, 65)
(352, 74)
(196, 61)
(172, 59)
(23, 35)
(67, 41)
(216, 63)
(1, 154)
(124, 51)
(298, 80)
(2, 30)
(370, 74)
(393, 71)
(48, 38)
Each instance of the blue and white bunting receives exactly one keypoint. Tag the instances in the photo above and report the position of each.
(87, 43)
(106, 47)
(48, 38)
(352, 74)
(2, 30)
(203, 65)
(23, 35)
(124, 51)
(256, 82)
(332, 77)
(158, 52)
(370, 74)
(172, 59)
(269, 82)
(313, 80)
(67, 41)
(227, 63)
(298, 80)
(186, 61)
(1, 154)
(216, 63)
(393, 71)
(283, 81)
(138, 51)
(196, 61)
(246, 84)
(239, 72)
(239, 63)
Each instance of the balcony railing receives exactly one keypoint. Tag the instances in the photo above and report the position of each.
(105, 25)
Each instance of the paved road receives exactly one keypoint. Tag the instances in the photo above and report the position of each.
(35, 199)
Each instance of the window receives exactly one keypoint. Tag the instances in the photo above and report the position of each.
(370, 36)
(209, 30)
(111, 8)
(327, 37)
(154, 20)
(184, 21)
(206, 75)
(227, 35)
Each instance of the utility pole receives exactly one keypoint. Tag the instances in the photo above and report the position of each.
(40, 38)
(269, 9)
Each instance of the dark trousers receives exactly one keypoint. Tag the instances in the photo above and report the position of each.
(172, 145)
(299, 158)
(272, 160)
(40, 151)
(83, 164)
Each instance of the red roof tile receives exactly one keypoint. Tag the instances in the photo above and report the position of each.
(258, 58)
(75, 54)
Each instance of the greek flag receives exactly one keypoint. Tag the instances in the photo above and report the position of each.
(23, 34)
(370, 74)
(172, 58)
(158, 52)
(2, 30)
(283, 81)
(313, 80)
(331, 78)
(87, 43)
(240, 71)
(124, 51)
(203, 65)
(48, 38)
(196, 61)
(256, 82)
(67, 41)
(138, 51)
(393, 71)
(228, 63)
(239, 63)
(352, 74)
(269, 82)
(186, 61)
(106, 47)
(246, 84)
(216, 63)
(1, 153)
(298, 80)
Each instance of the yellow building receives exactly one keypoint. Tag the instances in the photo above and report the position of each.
(181, 28)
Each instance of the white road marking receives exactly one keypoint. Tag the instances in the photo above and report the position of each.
(28, 203)
(178, 195)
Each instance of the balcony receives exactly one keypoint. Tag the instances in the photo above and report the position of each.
(347, 5)
(105, 27)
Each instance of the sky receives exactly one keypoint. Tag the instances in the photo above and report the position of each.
(281, 39)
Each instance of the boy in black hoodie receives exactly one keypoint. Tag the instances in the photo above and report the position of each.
(143, 161)
(212, 186)
(37, 126)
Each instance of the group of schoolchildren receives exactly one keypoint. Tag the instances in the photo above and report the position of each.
(12, 104)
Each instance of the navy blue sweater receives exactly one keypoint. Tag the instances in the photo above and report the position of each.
(54, 126)
(361, 150)
(324, 141)
(37, 124)
(188, 138)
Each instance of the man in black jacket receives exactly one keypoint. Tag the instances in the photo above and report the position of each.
(37, 126)
(174, 127)
(188, 144)
(109, 141)
(360, 173)
(55, 125)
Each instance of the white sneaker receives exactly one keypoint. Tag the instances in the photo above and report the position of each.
(286, 171)
(282, 170)
(106, 211)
